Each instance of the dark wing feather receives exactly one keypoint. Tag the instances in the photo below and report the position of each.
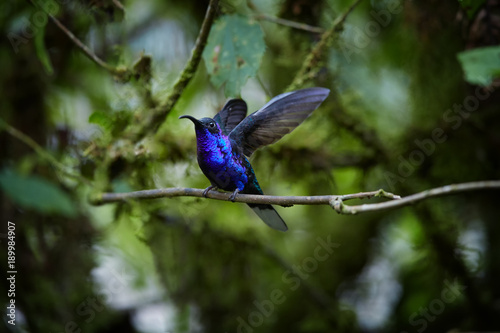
(231, 114)
(277, 118)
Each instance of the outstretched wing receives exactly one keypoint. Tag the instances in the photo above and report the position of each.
(278, 117)
(231, 114)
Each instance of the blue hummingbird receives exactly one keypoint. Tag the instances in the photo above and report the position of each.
(225, 142)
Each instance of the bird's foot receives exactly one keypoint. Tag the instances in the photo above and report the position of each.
(233, 196)
(211, 187)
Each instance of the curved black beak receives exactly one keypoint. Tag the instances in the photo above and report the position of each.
(195, 121)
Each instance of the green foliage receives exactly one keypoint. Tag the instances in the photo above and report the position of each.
(233, 53)
(102, 119)
(471, 6)
(33, 192)
(208, 265)
(41, 51)
(481, 65)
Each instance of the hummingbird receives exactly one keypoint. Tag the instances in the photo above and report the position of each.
(225, 142)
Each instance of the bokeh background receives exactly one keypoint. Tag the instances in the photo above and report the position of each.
(408, 111)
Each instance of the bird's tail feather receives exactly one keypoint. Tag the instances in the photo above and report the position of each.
(270, 216)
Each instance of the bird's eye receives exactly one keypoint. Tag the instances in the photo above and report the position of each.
(211, 124)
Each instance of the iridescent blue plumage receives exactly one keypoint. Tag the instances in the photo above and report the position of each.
(223, 142)
(224, 166)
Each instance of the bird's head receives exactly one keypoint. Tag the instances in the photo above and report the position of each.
(204, 126)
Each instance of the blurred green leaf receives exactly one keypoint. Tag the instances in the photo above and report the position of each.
(233, 53)
(41, 51)
(121, 186)
(36, 193)
(481, 65)
(471, 6)
(102, 119)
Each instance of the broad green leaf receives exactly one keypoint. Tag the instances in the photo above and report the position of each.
(41, 50)
(33, 192)
(482, 65)
(233, 53)
(102, 119)
(471, 6)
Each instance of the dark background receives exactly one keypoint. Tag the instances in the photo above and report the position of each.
(400, 116)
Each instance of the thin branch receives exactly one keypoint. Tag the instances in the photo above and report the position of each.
(40, 151)
(224, 196)
(120, 72)
(336, 201)
(263, 86)
(309, 70)
(292, 24)
(86, 50)
(341, 208)
(309, 67)
(288, 23)
(119, 5)
(159, 114)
